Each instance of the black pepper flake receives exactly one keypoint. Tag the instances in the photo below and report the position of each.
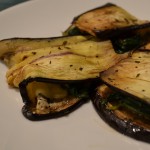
(126, 20)
(138, 75)
(50, 62)
(116, 20)
(46, 107)
(116, 70)
(67, 47)
(33, 53)
(71, 65)
(59, 48)
(24, 57)
(126, 88)
(110, 79)
(86, 21)
(137, 62)
(143, 90)
(80, 69)
(64, 43)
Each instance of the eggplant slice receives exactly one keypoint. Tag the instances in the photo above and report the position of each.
(131, 75)
(114, 23)
(124, 101)
(47, 98)
(79, 61)
(107, 21)
(15, 50)
(123, 113)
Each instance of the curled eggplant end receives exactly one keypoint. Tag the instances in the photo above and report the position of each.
(107, 21)
(47, 98)
(118, 115)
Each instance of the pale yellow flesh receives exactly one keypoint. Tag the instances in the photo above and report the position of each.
(106, 18)
(41, 93)
(13, 51)
(75, 62)
(131, 75)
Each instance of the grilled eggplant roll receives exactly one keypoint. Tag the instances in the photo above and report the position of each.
(46, 98)
(106, 21)
(15, 50)
(125, 102)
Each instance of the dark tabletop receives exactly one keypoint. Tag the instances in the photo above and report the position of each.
(4, 4)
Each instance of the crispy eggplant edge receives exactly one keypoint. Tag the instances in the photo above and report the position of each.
(125, 127)
(100, 7)
(111, 33)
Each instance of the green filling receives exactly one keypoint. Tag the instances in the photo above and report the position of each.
(76, 90)
(121, 45)
(120, 100)
(127, 44)
(73, 30)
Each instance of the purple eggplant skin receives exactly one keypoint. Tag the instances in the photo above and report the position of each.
(38, 117)
(125, 127)
(121, 32)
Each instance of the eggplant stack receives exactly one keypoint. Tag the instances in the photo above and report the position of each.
(98, 51)
(122, 99)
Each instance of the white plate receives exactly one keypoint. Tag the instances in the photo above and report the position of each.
(82, 129)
